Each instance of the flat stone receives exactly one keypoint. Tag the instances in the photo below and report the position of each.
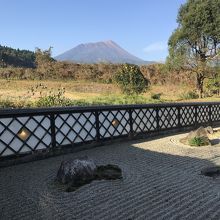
(211, 171)
(108, 172)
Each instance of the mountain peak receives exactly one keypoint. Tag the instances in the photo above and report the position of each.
(102, 51)
(109, 42)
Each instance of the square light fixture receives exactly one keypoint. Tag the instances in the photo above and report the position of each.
(23, 134)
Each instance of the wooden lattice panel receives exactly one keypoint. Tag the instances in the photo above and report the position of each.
(107, 126)
(144, 120)
(75, 128)
(202, 114)
(187, 115)
(37, 127)
(168, 117)
(215, 113)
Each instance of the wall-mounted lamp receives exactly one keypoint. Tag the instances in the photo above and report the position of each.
(115, 123)
(23, 134)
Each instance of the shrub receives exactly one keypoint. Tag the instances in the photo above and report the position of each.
(11, 103)
(190, 95)
(53, 99)
(199, 141)
(156, 96)
(48, 98)
(131, 80)
(213, 86)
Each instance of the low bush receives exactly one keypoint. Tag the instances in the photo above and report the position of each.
(156, 96)
(189, 95)
(9, 103)
(51, 101)
(131, 80)
(199, 141)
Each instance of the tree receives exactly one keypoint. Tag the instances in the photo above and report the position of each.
(43, 56)
(44, 62)
(130, 79)
(213, 85)
(194, 45)
(10, 57)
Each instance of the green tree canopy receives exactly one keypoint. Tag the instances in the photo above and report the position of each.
(131, 80)
(16, 57)
(195, 44)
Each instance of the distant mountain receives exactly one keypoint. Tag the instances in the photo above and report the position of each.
(106, 51)
(16, 57)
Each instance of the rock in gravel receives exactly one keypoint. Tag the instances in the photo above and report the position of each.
(209, 130)
(77, 170)
(211, 171)
(200, 132)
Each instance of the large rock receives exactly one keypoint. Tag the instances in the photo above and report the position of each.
(209, 130)
(201, 132)
(79, 172)
(75, 171)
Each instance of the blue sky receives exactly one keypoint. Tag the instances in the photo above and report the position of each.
(142, 27)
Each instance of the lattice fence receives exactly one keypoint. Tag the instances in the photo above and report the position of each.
(28, 130)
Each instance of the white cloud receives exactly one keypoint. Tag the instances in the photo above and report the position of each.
(156, 47)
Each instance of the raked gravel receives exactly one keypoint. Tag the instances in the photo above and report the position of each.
(161, 180)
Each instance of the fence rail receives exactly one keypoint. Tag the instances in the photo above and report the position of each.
(24, 131)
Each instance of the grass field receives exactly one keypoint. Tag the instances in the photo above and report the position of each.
(21, 93)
